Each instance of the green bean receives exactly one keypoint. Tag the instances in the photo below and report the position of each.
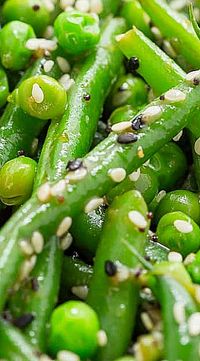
(45, 213)
(155, 251)
(193, 266)
(110, 7)
(14, 346)
(80, 273)
(32, 12)
(111, 292)
(13, 52)
(134, 14)
(176, 28)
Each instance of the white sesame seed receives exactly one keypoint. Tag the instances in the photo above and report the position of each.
(117, 174)
(49, 32)
(120, 127)
(96, 6)
(175, 257)
(152, 113)
(156, 32)
(174, 96)
(160, 195)
(179, 312)
(66, 3)
(193, 76)
(140, 152)
(197, 146)
(48, 65)
(45, 358)
(49, 5)
(44, 193)
(137, 219)
(167, 47)
(37, 94)
(189, 259)
(26, 247)
(27, 267)
(67, 356)
(80, 291)
(147, 322)
(64, 226)
(123, 272)
(34, 145)
(69, 8)
(83, 6)
(63, 64)
(37, 242)
(66, 242)
(134, 176)
(178, 136)
(43, 44)
(66, 81)
(58, 188)
(76, 175)
(183, 226)
(194, 324)
(93, 204)
(102, 338)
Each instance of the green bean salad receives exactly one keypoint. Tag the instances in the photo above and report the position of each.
(99, 180)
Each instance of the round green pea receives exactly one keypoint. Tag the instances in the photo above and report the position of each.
(32, 12)
(128, 90)
(77, 32)
(13, 52)
(74, 327)
(179, 232)
(122, 114)
(42, 97)
(169, 164)
(179, 200)
(4, 87)
(16, 180)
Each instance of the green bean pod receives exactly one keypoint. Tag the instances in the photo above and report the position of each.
(115, 298)
(176, 28)
(45, 211)
(193, 267)
(14, 345)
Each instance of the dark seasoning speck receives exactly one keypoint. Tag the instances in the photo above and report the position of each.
(110, 268)
(127, 138)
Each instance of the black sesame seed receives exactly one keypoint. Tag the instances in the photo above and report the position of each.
(36, 7)
(23, 320)
(87, 97)
(137, 122)
(127, 138)
(142, 230)
(133, 64)
(6, 315)
(75, 164)
(162, 97)
(147, 258)
(154, 238)
(138, 272)
(20, 153)
(34, 284)
(196, 81)
(110, 268)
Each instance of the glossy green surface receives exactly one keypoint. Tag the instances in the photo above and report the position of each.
(134, 14)
(179, 200)
(16, 180)
(116, 302)
(176, 239)
(13, 52)
(74, 326)
(32, 12)
(35, 215)
(4, 87)
(122, 114)
(77, 32)
(53, 97)
(194, 268)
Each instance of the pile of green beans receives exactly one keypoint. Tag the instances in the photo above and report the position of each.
(99, 180)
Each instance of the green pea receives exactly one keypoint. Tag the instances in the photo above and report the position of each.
(74, 327)
(194, 268)
(32, 12)
(4, 87)
(169, 164)
(179, 232)
(13, 52)
(128, 90)
(42, 97)
(122, 114)
(179, 200)
(16, 180)
(76, 31)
